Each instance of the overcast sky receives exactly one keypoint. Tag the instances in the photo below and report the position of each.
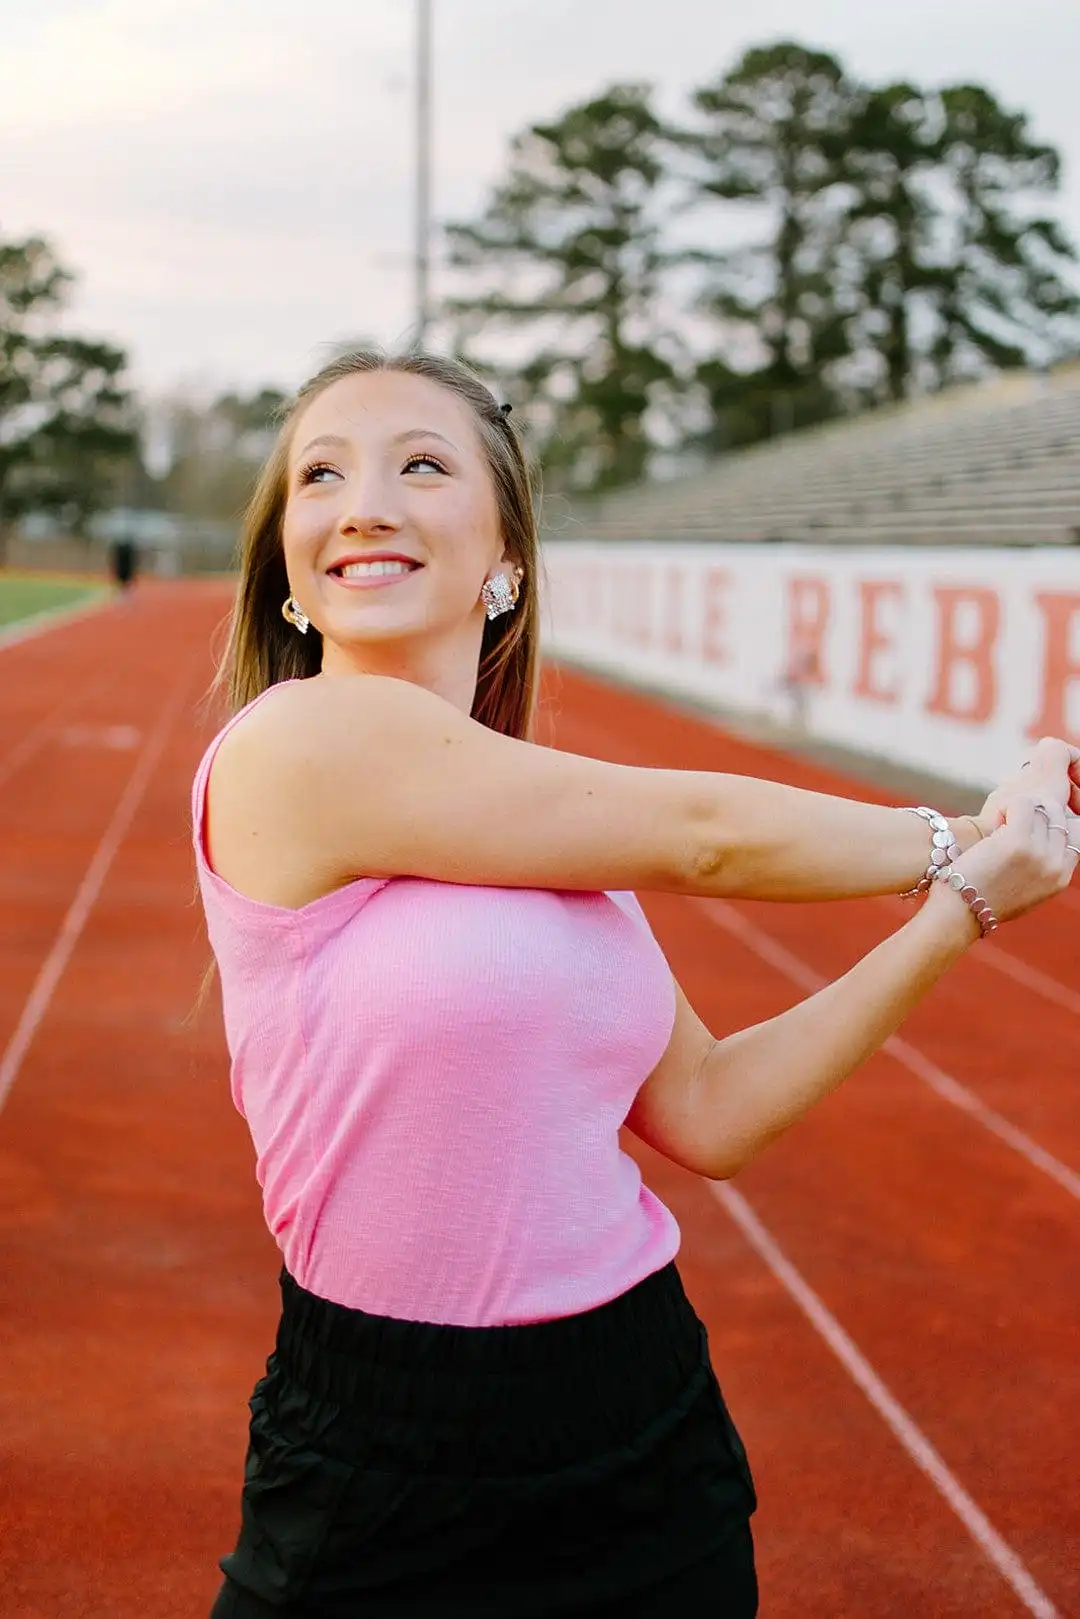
(232, 178)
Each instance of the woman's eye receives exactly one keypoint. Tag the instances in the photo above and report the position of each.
(424, 461)
(317, 472)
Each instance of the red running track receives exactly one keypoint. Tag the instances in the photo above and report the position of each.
(891, 1292)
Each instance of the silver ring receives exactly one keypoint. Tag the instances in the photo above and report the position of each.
(1051, 824)
(1072, 849)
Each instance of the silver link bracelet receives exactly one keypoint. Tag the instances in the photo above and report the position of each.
(943, 848)
(976, 904)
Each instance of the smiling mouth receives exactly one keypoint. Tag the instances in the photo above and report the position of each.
(380, 570)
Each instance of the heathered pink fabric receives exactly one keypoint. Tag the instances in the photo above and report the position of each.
(434, 1076)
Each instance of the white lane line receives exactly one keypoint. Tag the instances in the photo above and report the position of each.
(1003, 961)
(35, 738)
(910, 1436)
(762, 944)
(89, 889)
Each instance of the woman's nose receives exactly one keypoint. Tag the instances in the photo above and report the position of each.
(370, 510)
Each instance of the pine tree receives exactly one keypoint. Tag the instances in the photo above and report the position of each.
(1010, 301)
(569, 258)
(66, 419)
(770, 142)
(894, 153)
(947, 275)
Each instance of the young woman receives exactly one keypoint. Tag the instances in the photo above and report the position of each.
(489, 1394)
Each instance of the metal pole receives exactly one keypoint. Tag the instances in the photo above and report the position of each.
(423, 169)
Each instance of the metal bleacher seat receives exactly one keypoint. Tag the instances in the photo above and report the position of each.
(992, 463)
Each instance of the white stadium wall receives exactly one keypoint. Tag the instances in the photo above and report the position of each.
(951, 661)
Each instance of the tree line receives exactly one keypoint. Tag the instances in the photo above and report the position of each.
(884, 240)
(75, 439)
(799, 245)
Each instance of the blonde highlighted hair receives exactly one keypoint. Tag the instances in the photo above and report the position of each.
(263, 649)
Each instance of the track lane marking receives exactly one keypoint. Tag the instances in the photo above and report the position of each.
(903, 1427)
(1033, 978)
(89, 889)
(724, 915)
(1015, 967)
(38, 735)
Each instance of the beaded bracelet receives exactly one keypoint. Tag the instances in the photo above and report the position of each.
(944, 848)
(980, 908)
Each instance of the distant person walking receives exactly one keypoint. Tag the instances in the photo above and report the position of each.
(489, 1394)
(800, 677)
(124, 562)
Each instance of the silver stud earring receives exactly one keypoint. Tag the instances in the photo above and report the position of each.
(499, 594)
(293, 613)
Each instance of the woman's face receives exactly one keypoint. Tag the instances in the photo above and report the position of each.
(391, 525)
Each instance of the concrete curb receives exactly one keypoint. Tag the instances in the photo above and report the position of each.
(53, 618)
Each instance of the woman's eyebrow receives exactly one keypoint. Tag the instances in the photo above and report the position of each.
(332, 441)
(422, 432)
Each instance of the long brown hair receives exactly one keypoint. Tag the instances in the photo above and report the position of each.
(263, 648)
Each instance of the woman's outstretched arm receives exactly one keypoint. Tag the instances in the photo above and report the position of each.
(335, 778)
(713, 1105)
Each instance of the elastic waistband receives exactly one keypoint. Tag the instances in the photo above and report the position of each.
(490, 1399)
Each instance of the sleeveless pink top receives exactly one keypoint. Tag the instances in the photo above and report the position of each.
(434, 1076)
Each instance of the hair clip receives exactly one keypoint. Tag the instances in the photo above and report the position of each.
(504, 410)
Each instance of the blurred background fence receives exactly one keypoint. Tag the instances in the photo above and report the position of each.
(167, 548)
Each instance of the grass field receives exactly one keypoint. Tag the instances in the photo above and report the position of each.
(24, 595)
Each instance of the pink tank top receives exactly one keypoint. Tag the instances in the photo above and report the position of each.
(434, 1076)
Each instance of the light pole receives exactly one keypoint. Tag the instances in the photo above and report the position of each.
(422, 259)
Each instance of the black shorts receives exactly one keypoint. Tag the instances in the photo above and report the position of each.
(585, 1466)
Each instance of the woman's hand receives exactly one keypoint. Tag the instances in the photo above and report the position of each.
(1051, 774)
(1026, 861)
(713, 1105)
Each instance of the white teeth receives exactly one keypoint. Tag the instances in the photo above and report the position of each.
(365, 570)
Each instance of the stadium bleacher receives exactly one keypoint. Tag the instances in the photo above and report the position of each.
(989, 463)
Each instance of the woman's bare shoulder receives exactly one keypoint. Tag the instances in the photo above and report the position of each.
(256, 833)
(308, 711)
(336, 778)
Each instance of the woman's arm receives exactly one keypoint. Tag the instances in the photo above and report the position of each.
(368, 776)
(713, 1105)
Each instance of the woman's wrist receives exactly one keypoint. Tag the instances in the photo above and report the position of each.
(966, 830)
(950, 918)
(942, 848)
(949, 840)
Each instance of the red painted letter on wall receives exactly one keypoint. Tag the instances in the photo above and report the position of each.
(807, 622)
(874, 638)
(714, 616)
(968, 620)
(602, 603)
(1061, 664)
(630, 617)
(642, 632)
(618, 602)
(675, 578)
